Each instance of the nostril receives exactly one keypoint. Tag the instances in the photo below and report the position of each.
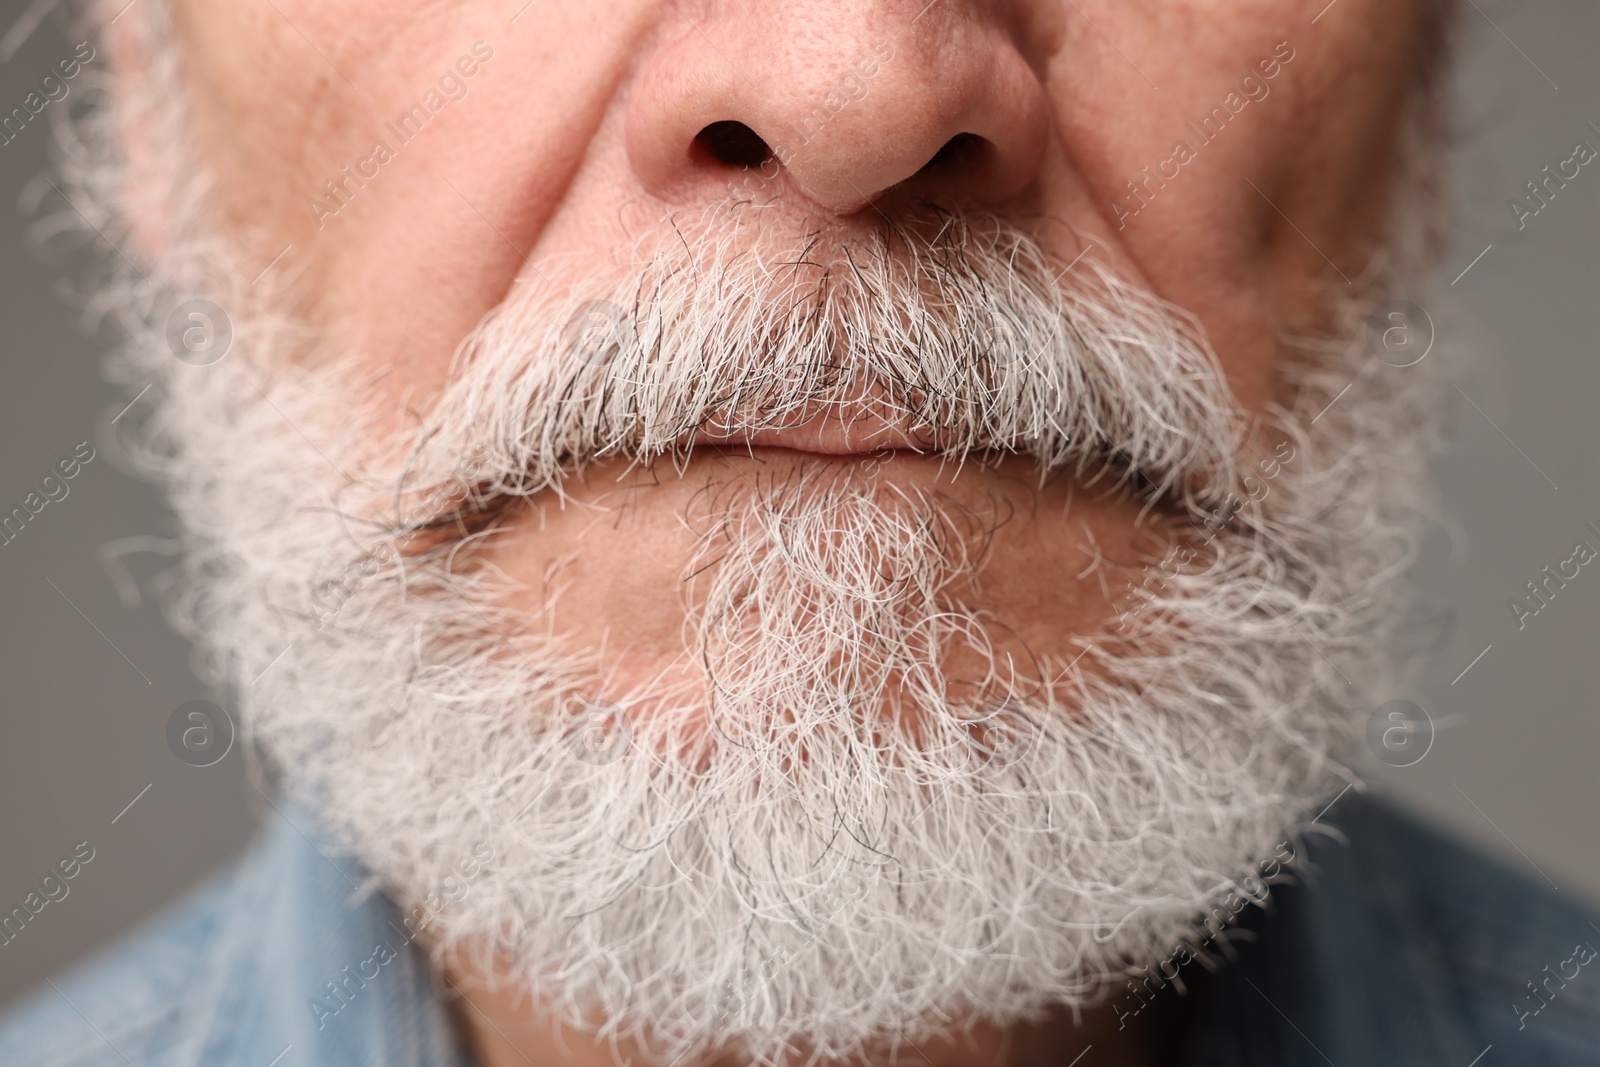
(963, 148)
(733, 143)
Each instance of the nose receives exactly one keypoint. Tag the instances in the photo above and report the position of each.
(842, 101)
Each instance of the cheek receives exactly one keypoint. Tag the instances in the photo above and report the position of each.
(1210, 241)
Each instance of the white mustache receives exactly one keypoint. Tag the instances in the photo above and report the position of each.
(958, 336)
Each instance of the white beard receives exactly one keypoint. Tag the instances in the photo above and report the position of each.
(808, 874)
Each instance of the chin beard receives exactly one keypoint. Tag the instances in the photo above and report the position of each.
(825, 844)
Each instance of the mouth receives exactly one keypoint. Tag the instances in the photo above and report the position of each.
(858, 435)
(868, 438)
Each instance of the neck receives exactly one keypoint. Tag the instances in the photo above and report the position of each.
(502, 1030)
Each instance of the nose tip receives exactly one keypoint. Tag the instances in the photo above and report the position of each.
(953, 114)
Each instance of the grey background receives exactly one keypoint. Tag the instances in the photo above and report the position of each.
(87, 684)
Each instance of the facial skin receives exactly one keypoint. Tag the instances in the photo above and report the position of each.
(576, 139)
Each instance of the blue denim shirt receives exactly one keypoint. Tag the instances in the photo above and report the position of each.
(1399, 947)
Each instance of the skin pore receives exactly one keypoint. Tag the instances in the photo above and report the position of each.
(577, 135)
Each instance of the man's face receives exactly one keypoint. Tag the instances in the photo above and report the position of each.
(903, 417)
(575, 132)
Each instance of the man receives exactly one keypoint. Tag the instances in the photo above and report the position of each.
(801, 532)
